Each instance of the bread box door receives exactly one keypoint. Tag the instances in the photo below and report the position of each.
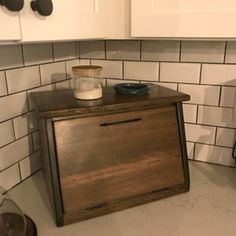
(105, 160)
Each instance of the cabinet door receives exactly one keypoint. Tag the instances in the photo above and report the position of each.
(70, 20)
(184, 18)
(108, 159)
(9, 25)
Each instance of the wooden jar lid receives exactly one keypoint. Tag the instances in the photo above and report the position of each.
(87, 70)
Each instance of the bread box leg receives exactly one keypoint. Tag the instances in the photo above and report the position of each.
(179, 109)
(50, 169)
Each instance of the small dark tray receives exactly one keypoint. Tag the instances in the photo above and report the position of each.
(131, 88)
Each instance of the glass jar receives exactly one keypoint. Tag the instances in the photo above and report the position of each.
(87, 83)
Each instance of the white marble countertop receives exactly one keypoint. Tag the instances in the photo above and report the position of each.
(209, 209)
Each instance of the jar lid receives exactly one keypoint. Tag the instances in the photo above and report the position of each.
(87, 70)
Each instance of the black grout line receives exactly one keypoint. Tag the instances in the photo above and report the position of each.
(140, 49)
(216, 136)
(40, 76)
(200, 74)
(213, 126)
(53, 52)
(159, 72)
(33, 88)
(197, 114)
(105, 49)
(13, 128)
(5, 74)
(225, 52)
(19, 171)
(220, 93)
(170, 62)
(212, 163)
(17, 139)
(180, 50)
(212, 145)
(207, 105)
(22, 180)
(22, 54)
(123, 70)
(77, 48)
(18, 161)
(194, 151)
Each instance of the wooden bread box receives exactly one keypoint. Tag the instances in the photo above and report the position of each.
(109, 154)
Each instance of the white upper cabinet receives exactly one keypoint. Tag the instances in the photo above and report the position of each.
(183, 18)
(119, 19)
(9, 25)
(70, 20)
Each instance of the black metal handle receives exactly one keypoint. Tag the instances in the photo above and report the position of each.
(43, 7)
(121, 122)
(12, 5)
(101, 205)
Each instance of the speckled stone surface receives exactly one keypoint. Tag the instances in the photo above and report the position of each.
(209, 209)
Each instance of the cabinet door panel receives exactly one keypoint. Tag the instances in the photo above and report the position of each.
(9, 25)
(70, 20)
(109, 158)
(183, 18)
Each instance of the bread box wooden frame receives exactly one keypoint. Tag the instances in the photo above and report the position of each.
(105, 155)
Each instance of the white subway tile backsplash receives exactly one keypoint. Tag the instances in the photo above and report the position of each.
(22, 79)
(154, 50)
(201, 94)
(6, 133)
(200, 133)
(180, 72)
(92, 49)
(214, 154)
(3, 85)
(67, 84)
(190, 150)
(202, 51)
(122, 61)
(225, 137)
(54, 72)
(112, 82)
(228, 97)
(64, 51)
(30, 165)
(13, 105)
(14, 152)
(190, 113)
(231, 52)
(216, 116)
(37, 53)
(123, 50)
(71, 63)
(10, 56)
(110, 69)
(173, 86)
(147, 71)
(219, 74)
(10, 177)
(25, 124)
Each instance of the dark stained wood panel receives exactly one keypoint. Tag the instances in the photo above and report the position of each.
(105, 159)
(62, 103)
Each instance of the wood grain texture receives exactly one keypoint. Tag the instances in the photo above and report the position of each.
(100, 165)
(62, 103)
(114, 206)
(113, 153)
